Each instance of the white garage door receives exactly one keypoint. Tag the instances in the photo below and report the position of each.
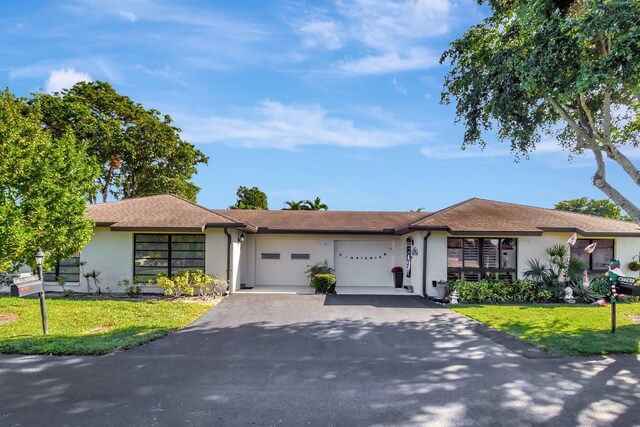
(363, 263)
(282, 262)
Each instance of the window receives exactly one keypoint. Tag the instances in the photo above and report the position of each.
(166, 253)
(476, 259)
(270, 256)
(598, 260)
(300, 256)
(67, 269)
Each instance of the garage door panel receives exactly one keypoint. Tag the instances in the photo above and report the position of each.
(283, 261)
(363, 263)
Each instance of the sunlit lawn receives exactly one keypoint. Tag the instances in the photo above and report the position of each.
(564, 329)
(84, 326)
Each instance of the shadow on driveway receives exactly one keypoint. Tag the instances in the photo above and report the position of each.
(294, 360)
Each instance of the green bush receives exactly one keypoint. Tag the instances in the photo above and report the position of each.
(185, 283)
(600, 286)
(495, 291)
(324, 283)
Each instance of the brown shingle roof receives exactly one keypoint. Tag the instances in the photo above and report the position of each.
(487, 216)
(325, 221)
(156, 212)
(474, 216)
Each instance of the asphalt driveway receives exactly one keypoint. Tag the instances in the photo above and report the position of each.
(306, 360)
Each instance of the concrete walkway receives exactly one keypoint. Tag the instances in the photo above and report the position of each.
(306, 360)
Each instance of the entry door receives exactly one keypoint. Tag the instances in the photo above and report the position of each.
(363, 263)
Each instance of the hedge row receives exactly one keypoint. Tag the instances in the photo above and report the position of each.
(492, 291)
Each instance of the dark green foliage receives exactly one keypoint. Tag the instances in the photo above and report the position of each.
(250, 198)
(306, 205)
(569, 70)
(493, 291)
(324, 283)
(604, 208)
(139, 150)
(45, 182)
(319, 268)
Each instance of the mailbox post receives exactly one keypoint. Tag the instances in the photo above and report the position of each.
(43, 306)
(622, 285)
(29, 284)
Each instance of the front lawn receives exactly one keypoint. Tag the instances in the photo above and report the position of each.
(563, 329)
(85, 326)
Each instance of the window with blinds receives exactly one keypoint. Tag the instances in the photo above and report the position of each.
(474, 259)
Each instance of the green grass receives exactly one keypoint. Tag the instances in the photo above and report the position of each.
(562, 329)
(91, 327)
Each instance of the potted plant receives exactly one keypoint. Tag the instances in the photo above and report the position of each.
(634, 265)
(397, 276)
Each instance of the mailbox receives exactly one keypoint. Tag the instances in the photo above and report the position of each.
(26, 285)
(626, 286)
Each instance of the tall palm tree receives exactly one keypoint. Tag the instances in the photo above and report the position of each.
(315, 205)
(293, 206)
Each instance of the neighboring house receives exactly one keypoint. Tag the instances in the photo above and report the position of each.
(136, 239)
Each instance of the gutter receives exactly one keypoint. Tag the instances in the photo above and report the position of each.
(226, 232)
(424, 265)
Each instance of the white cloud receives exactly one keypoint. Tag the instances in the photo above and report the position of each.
(65, 78)
(322, 33)
(449, 151)
(393, 33)
(127, 14)
(274, 125)
(398, 87)
(391, 62)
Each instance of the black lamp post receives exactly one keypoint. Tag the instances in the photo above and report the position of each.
(43, 308)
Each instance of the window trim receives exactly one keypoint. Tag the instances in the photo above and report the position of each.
(56, 271)
(481, 270)
(169, 251)
(589, 267)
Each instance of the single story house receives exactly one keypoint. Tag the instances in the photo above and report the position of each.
(135, 239)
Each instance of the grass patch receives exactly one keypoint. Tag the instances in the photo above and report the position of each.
(562, 329)
(90, 327)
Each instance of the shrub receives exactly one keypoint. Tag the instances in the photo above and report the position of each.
(133, 290)
(600, 286)
(186, 283)
(319, 268)
(324, 283)
(496, 291)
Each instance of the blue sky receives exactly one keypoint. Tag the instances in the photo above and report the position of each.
(337, 99)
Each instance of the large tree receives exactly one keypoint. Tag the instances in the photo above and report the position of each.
(44, 185)
(569, 69)
(139, 150)
(250, 198)
(584, 205)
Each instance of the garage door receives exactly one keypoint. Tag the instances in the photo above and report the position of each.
(363, 263)
(282, 262)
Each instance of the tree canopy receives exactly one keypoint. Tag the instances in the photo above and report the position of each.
(139, 151)
(44, 185)
(566, 69)
(250, 198)
(584, 205)
(306, 205)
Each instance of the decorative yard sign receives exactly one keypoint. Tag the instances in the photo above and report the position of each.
(29, 284)
(620, 285)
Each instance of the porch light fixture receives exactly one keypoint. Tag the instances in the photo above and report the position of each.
(39, 256)
(241, 238)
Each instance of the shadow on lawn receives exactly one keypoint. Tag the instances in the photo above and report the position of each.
(431, 367)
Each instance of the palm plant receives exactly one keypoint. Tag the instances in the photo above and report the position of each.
(293, 206)
(315, 205)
